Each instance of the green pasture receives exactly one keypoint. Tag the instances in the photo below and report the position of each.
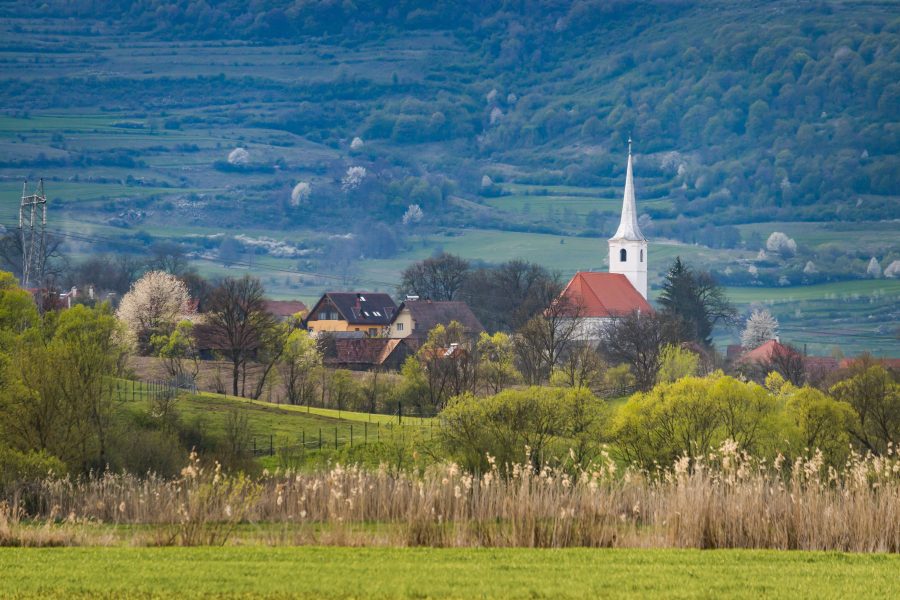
(539, 207)
(338, 572)
(872, 236)
(847, 290)
(280, 423)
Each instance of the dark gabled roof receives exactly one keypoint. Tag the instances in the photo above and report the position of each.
(428, 314)
(284, 309)
(361, 308)
(366, 351)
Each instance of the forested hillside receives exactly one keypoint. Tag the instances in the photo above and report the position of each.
(347, 139)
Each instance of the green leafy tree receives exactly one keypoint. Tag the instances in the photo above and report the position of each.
(299, 365)
(696, 301)
(496, 366)
(676, 362)
(874, 394)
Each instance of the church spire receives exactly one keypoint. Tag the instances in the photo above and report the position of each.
(628, 226)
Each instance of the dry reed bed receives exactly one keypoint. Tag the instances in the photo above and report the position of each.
(724, 500)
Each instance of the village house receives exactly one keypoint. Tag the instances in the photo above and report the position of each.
(595, 299)
(367, 313)
(285, 310)
(415, 318)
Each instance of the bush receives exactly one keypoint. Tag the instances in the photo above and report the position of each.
(20, 467)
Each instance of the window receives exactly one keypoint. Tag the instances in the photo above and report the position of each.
(623, 255)
(372, 332)
(399, 326)
(642, 255)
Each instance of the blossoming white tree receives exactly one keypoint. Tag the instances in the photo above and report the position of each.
(353, 178)
(893, 270)
(413, 214)
(761, 327)
(357, 144)
(874, 269)
(780, 243)
(154, 305)
(238, 156)
(300, 193)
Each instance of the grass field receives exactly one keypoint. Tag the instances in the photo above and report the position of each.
(311, 572)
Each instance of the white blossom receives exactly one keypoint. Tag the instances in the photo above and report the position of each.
(761, 327)
(156, 300)
(238, 156)
(496, 115)
(874, 269)
(781, 244)
(491, 96)
(413, 214)
(810, 268)
(353, 178)
(300, 193)
(357, 144)
(486, 181)
(893, 270)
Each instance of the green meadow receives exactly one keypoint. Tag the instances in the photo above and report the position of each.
(337, 572)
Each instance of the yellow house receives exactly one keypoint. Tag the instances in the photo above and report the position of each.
(366, 312)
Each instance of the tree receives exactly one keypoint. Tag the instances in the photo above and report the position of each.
(153, 306)
(694, 415)
(436, 278)
(637, 340)
(58, 394)
(580, 367)
(504, 298)
(676, 362)
(298, 366)
(696, 301)
(178, 352)
(761, 327)
(449, 360)
(168, 257)
(518, 426)
(787, 361)
(874, 395)
(496, 368)
(821, 423)
(52, 262)
(238, 323)
(545, 337)
(779, 243)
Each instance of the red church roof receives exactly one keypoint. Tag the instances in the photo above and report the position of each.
(604, 295)
(764, 352)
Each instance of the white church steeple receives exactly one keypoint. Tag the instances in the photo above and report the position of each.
(628, 247)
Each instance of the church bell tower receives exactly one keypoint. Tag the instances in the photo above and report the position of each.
(628, 247)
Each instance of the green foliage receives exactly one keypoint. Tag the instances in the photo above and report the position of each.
(521, 425)
(822, 423)
(676, 362)
(693, 416)
(17, 467)
(874, 394)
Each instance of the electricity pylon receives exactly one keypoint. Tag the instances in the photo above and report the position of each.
(32, 228)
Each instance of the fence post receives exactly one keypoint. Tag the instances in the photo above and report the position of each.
(320, 438)
(366, 431)
(351, 436)
(399, 412)
(303, 438)
(335, 438)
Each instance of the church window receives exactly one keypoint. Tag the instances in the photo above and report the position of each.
(642, 255)
(623, 255)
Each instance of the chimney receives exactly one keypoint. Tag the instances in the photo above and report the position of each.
(91, 292)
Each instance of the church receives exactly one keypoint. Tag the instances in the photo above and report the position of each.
(598, 298)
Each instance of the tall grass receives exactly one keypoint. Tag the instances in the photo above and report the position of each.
(724, 500)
